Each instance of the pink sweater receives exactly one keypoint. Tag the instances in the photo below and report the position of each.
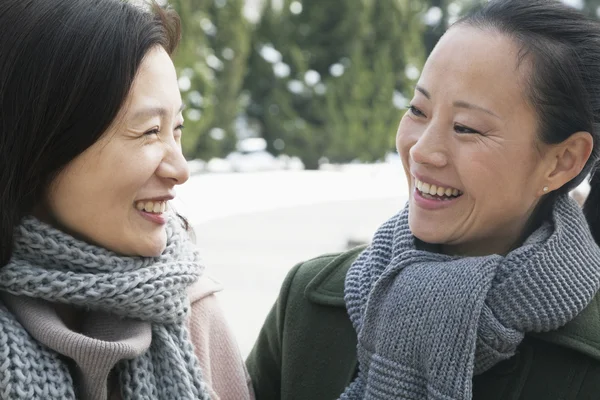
(222, 364)
(96, 341)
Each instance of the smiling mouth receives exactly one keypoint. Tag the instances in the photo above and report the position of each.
(434, 192)
(153, 207)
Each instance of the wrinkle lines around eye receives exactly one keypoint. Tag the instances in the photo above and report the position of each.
(492, 140)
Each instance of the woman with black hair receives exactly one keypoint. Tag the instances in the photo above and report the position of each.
(485, 286)
(102, 292)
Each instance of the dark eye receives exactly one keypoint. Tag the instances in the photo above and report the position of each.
(415, 111)
(180, 128)
(465, 130)
(154, 131)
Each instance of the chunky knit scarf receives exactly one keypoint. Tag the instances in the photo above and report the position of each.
(428, 322)
(51, 265)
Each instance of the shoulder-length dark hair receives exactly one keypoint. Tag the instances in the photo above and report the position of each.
(66, 68)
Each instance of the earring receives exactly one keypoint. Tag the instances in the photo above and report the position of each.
(545, 189)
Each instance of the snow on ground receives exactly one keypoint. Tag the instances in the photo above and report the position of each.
(253, 227)
(207, 197)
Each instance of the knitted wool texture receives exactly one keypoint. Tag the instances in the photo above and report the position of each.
(428, 322)
(51, 265)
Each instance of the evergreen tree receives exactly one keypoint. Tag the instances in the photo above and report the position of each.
(436, 22)
(363, 113)
(211, 62)
(196, 78)
(335, 97)
(231, 45)
(592, 8)
(267, 97)
(287, 91)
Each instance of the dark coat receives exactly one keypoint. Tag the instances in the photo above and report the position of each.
(306, 349)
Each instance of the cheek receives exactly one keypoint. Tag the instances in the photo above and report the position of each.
(127, 171)
(405, 136)
(100, 185)
(73, 188)
(501, 177)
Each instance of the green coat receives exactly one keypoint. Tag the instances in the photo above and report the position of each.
(306, 349)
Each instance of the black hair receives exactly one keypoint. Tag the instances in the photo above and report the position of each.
(66, 68)
(562, 48)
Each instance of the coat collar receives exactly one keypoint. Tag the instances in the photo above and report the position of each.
(582, 334)
(327, 287)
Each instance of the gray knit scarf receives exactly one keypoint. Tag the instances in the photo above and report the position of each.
(427, 322)
(51, 265)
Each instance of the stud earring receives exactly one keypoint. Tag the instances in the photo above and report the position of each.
(545, 189)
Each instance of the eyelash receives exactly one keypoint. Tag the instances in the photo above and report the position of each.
(466, 130)
(157, 131)
(415, 111)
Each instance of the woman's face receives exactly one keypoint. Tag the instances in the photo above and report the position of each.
(115, 193)
(471, 137)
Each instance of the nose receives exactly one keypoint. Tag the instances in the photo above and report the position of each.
(429, 149)
(174, 165)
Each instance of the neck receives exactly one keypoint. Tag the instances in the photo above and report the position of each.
(481, 248)
(511, 239)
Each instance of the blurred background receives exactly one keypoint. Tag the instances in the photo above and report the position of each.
(291, 112)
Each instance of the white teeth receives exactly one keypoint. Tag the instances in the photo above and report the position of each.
(155, 207)
(435, 190)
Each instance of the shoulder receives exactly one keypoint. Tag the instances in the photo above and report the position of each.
(206, 316)
(582, 334)
(214, 343)
(321, 279)
(306, 347)
(202, 288)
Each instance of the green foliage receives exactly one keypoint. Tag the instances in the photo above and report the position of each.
(319, 78)
(213, 56)
(359, 52)
(591, 8)
(365, 128)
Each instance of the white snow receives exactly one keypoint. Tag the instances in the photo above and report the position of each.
(208, 197)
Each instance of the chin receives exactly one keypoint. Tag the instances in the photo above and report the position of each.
(426, 233)
(429, 238)
(152, 251)
(153, 247)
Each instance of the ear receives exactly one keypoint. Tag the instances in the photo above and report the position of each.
(567, 159)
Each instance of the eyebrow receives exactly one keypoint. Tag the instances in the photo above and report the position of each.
(152, 111)
(459, 104)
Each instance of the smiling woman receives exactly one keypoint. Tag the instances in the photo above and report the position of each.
(495, 157)
(102, 292)
(486, 285)
(140, 157)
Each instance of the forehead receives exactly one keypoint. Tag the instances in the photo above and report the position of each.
(155, 84)
(481, 65)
